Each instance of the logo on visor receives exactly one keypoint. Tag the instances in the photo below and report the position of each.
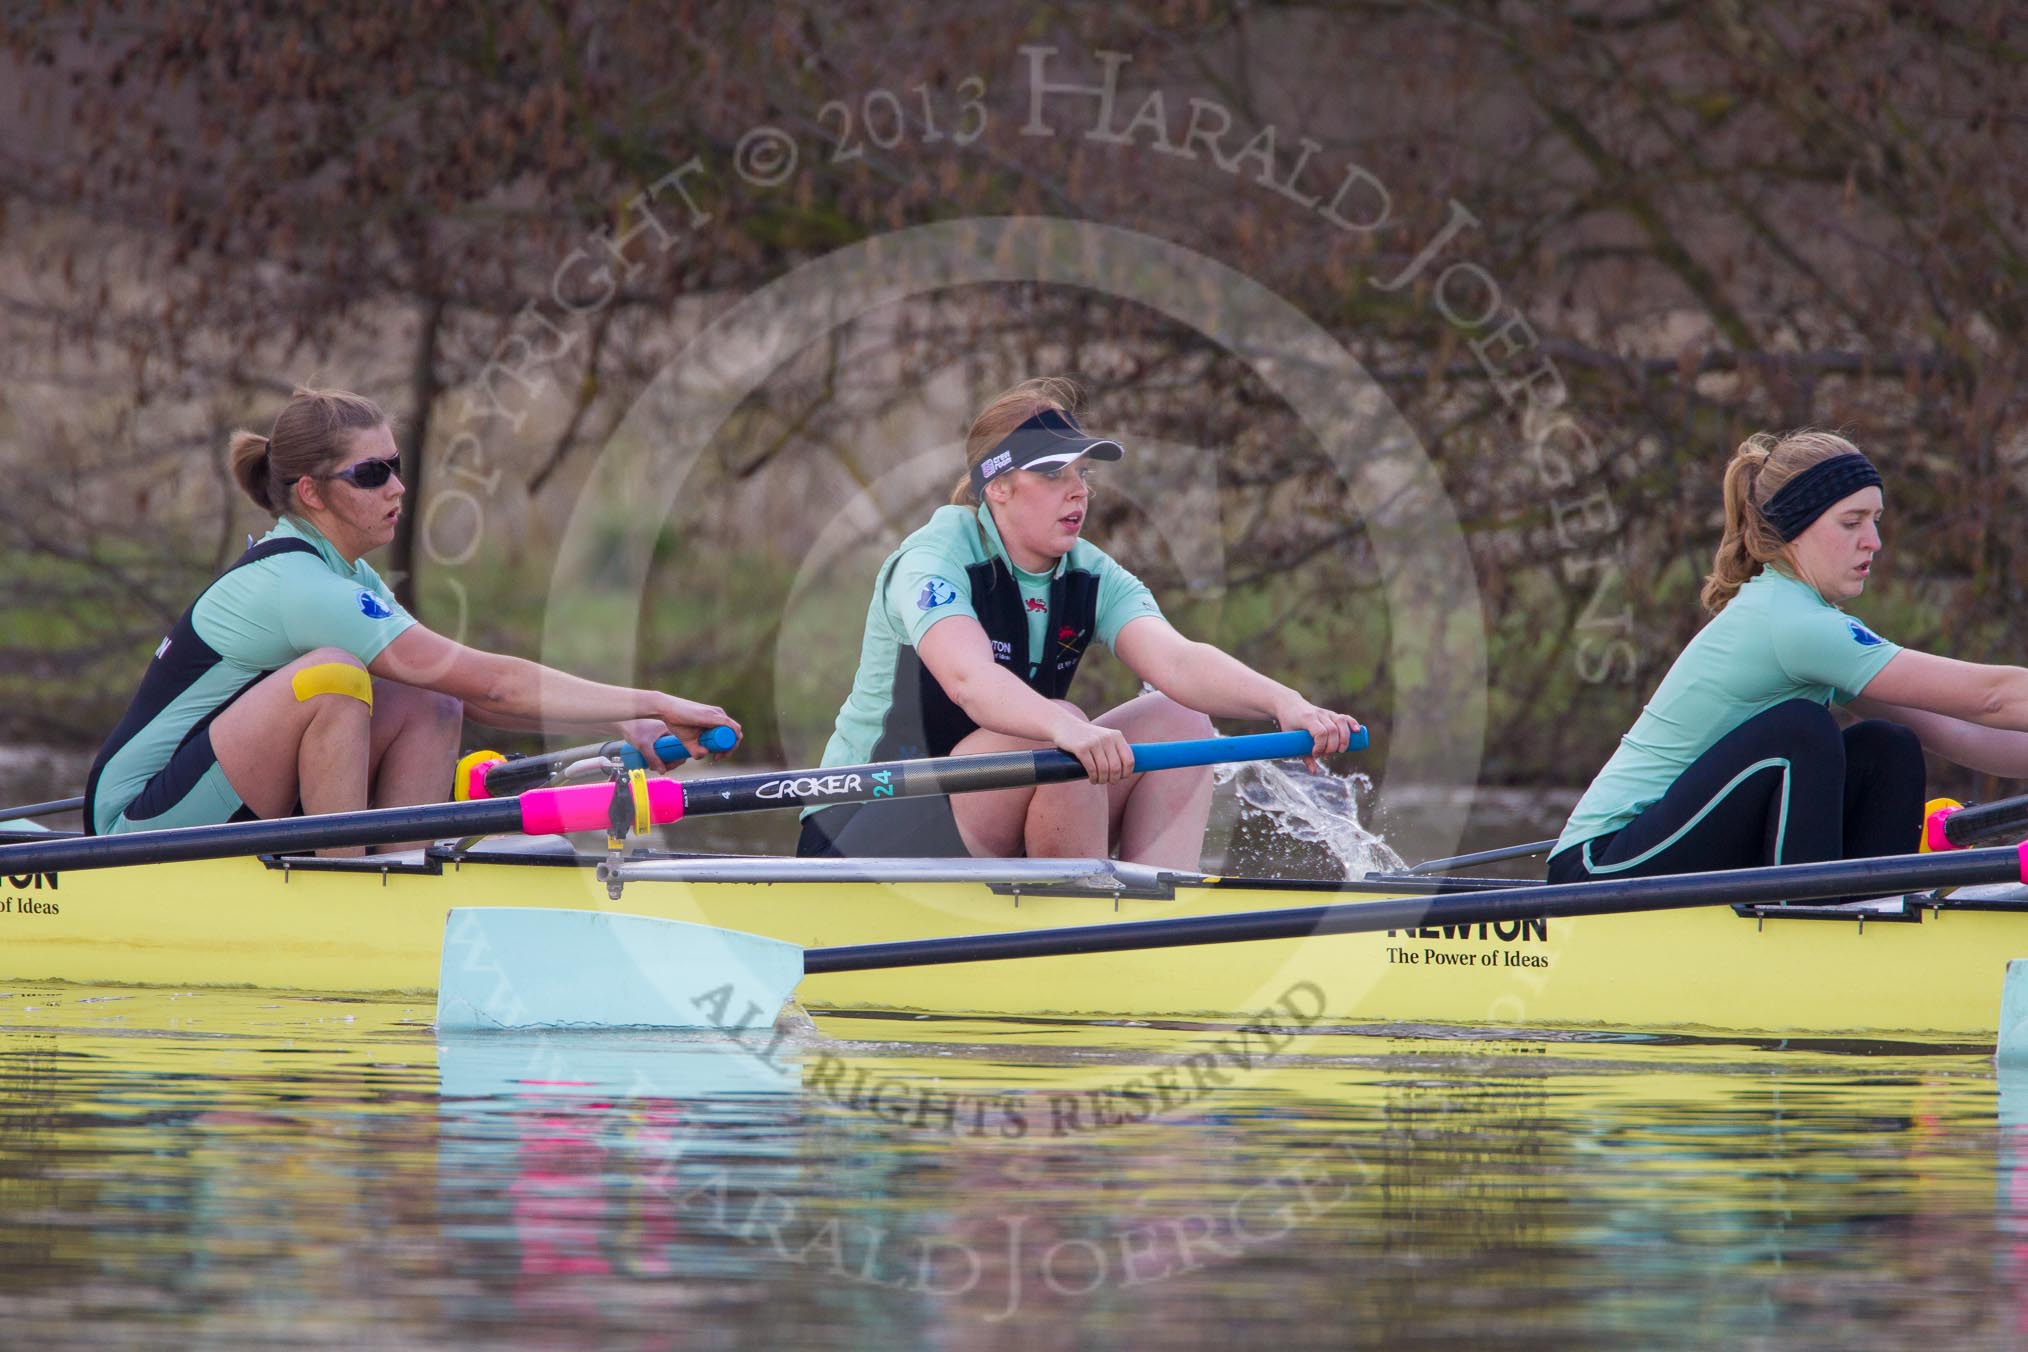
(994, 464)
(372, 607)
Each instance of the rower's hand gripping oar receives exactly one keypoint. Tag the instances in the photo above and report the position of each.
(531, 967)
(652, 802)
(488, 774)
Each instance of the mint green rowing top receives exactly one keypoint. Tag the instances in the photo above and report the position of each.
(1777, 640)
(254, 619)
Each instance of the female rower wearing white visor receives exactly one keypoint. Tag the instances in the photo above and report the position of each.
(1737, 761)
(977, 626)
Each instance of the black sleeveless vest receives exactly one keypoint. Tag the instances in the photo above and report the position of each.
(924, 721)
(175, 667)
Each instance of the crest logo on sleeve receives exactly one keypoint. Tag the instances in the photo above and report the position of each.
(371, 606)
(1863, 636)
(935, 592)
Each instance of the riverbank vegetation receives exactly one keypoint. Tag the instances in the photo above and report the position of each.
(1570, 260)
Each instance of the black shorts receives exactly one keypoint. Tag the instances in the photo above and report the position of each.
(189, 791)
(906, 828)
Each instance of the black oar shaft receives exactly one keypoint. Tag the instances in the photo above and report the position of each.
(872, 782)
(1790, 882)
(487, 816)
(1500, 855)
(1985, 821)
(379, 826)
(49, 808)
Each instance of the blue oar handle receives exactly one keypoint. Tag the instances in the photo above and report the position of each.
(1215, 750)
(672, 751)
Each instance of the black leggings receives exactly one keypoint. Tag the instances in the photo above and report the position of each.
(1783, 787)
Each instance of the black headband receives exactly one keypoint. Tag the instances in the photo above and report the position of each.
(1806, 497)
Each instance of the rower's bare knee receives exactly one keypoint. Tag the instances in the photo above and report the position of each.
(438, 723)
(446, 710)
(1071, 797)
(1068, 818)
(1177, 722)
(1154, 717)
(447, 721)
(423, 713)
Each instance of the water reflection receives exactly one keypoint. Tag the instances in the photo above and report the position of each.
(217, 1166)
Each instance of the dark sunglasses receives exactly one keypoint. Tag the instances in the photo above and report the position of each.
(368, 473)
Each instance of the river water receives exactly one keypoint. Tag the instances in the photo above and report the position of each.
(213, 1168)
(224, 1168)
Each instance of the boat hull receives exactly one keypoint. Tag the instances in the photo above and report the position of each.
(307, 926)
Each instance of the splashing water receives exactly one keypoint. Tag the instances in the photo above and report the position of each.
(1318, 810)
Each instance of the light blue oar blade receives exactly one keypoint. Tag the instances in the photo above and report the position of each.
(531, 967)
(2012, 1049)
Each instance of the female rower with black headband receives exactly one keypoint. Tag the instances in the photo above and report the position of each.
(1736, 761)
(977, 624)
(296, 678)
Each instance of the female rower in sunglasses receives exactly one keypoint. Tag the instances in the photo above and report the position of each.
(977, 625)
(297, 678)
(1736, 761)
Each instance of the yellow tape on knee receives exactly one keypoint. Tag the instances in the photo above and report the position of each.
(333, 678)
